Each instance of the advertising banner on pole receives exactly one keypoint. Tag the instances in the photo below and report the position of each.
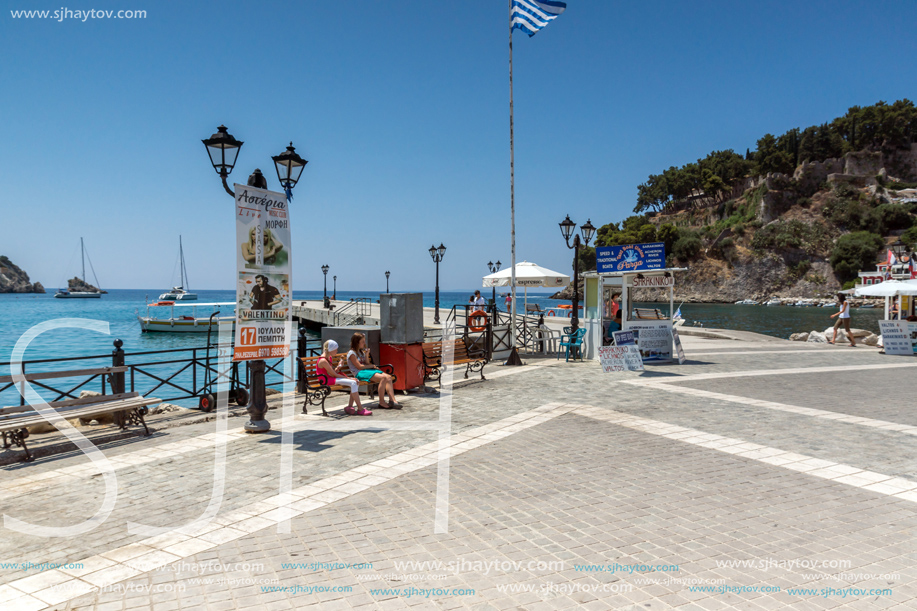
(263, 293)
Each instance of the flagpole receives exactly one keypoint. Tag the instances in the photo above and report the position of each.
(512, 186)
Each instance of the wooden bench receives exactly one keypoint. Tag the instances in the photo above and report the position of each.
(649, 314)
(128, 408)
(472, 357)
(316, 391)
(533, 307)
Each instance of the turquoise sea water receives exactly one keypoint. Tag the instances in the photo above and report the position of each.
(119, 308)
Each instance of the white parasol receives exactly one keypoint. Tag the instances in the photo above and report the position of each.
(889, 288)
(527, 274)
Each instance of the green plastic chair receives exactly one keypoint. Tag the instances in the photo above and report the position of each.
(572, 342)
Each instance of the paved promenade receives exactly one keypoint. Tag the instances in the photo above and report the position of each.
(759, 475)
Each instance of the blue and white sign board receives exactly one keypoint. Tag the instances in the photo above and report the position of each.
(630, 258)
(625, 338)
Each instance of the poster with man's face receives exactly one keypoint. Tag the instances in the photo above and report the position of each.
(263, 293)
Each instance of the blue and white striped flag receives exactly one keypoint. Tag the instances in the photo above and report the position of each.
(532, 15)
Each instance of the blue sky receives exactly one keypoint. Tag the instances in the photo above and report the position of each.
(402, 110)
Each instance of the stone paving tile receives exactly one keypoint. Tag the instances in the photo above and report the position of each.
(847, 520)
(848, 392)
(592, 502)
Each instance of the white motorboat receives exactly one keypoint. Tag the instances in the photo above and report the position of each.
(746, 302)
(68, 294)
(179, 293)
(774, 302)
(188, 318)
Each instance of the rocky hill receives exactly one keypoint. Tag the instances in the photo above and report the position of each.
(15, 280)
(804, 234)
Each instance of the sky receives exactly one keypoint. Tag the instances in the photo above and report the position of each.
(402, 109)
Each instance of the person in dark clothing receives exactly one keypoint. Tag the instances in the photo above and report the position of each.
(263, 295)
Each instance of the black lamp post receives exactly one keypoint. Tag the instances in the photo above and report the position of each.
(223, 150)
(325, 269)
(387, 274)
(568, 229)
(437, 254)
(494, 268)
(334, 291)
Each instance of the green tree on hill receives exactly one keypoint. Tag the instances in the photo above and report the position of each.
(854, 252)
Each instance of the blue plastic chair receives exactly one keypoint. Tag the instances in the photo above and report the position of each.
(572, 342)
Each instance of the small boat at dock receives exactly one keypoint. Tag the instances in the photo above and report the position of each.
(189, 318)
(746, 302)
(774, 302)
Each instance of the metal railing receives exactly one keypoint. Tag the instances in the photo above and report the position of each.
(173, 375)
(353, 313)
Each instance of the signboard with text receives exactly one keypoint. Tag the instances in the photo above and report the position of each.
(655, 338)
(263, 308)
(899, 337)
(630, 258)
(625, 338)
(620, 358)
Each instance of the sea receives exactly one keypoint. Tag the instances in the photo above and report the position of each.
(117, 312)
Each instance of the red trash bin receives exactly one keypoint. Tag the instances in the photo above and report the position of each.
(407, 360)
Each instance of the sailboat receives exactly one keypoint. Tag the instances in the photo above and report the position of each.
(179, 293)
(68, 294)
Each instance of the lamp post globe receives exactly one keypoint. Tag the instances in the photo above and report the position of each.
(289, 167)
(223, 150)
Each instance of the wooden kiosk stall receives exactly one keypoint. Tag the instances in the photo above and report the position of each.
(621, 269)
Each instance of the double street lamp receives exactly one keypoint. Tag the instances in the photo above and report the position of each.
(334, 291)
(494, 268)
(387, 274)
(325, 269)
(223, 150)
(568, 229)
(437, 255)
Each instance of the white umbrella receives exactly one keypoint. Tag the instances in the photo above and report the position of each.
(889, 288)
(527, 274)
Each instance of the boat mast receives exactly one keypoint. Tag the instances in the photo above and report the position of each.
(184, 273)
(83, 258)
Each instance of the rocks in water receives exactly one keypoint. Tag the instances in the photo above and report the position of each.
(78, 285)
(871, 340)
(858, 333)
(272, 391)
(816, 338)
(799, 337)
(15, 280)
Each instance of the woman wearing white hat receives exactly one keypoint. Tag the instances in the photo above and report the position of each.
(325, 371)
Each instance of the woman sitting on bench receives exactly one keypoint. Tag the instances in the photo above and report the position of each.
(324, 369)
(364, 372)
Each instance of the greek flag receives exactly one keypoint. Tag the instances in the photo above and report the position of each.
(532, 15)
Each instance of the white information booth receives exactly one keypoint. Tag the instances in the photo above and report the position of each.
(606, 293)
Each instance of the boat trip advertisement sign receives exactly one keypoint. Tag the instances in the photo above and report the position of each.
(263, 306)
(630, 258)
